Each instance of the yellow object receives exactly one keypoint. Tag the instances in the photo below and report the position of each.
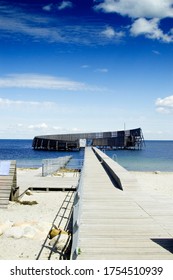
(54, 232)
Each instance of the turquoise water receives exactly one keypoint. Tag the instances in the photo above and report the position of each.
(157, 155)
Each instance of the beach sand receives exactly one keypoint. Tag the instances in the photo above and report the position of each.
(33, 222)
(24, 228)
(158, 182)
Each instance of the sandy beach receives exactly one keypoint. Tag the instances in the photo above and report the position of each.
(158, 182)
(24, 228)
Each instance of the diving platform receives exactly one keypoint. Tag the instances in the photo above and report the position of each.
(125, 139)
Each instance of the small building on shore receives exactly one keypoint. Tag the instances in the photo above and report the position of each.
(124, 139)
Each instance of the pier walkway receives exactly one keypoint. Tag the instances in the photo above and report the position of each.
(116, 218)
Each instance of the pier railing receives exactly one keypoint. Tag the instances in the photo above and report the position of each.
(52, 165)
(75, 250)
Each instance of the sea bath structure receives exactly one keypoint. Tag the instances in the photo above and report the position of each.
(124, 139)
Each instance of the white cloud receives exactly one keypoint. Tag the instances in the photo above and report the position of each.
(156, 52)
(64, 5)
(34, 27)
(102, 70)
(144, 26)
(17, 24)
(147, 15)
(37, 29)
(9, 102)
(38, 126)
(150, 29)
(36, 81)
(138, 8)
(19, 125)
(47, 8)
(165, 105)
(110, 33)
(47, 128)
(85, 66)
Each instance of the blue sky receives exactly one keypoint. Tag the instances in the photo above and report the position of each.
(86, 65)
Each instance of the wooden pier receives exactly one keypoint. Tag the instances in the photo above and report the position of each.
(114, 218)
(124, 139)
(8, 182)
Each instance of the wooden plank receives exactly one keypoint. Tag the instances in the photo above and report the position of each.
(116, 224)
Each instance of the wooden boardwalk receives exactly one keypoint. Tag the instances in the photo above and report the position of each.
(121, 224)
(8, 184)
(36, 182)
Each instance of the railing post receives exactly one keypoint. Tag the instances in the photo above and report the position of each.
(76, 218)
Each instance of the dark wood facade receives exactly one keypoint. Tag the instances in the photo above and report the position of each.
(125, 139)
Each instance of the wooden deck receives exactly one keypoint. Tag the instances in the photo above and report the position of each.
(8, 184)
(122, 223)
(36, 182)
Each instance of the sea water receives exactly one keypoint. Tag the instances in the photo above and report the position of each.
(155, 155)
(26, 156)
